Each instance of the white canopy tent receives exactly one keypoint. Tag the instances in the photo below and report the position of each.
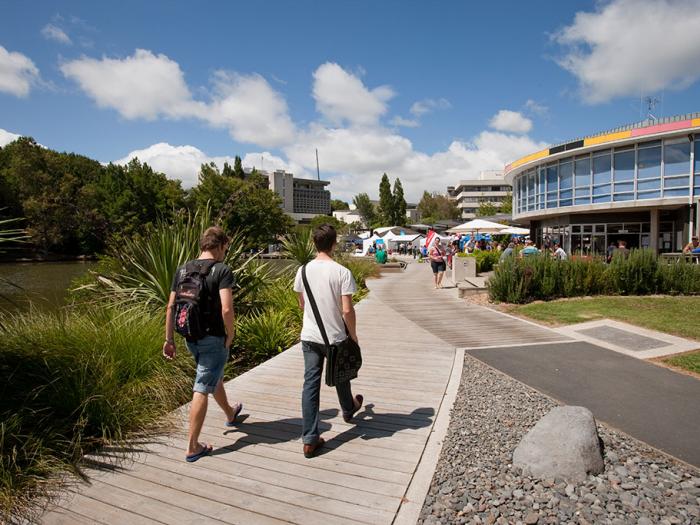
(514, 230)
(479, 226)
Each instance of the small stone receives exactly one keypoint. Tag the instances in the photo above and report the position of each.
(531, 518)
(644, 521)
(569, 490)
(518, 494)
(622, 472)
(628, 486)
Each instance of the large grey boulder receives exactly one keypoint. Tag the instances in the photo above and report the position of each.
(563, 444)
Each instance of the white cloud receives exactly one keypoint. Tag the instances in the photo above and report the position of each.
(53, 32)
(6, 137)
(341, 96)
(628, 46)
(510, 121)
(177, 162)
(251, 109)
(429, 105)
(152, 86)
(17, 73)
(404, 122)
(535, 108)
(141, 86)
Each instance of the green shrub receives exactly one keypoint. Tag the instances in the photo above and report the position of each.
(265, 334)
(72, 382)
(542, 277)
(299, 246)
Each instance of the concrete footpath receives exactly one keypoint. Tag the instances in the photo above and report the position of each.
(651, 403)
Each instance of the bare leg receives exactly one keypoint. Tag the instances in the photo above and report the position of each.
(435, 279)
(440, 275)
(221, 398)
(198, 410)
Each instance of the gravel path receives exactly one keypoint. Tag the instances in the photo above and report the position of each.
(474, 480)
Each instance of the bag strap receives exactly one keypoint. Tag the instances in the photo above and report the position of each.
(314, 307)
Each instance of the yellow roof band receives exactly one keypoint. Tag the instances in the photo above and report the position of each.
(534, 156)
(695, 122)
(601, 139)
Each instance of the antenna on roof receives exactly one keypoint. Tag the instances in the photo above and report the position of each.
(651, 105)
(318, 171)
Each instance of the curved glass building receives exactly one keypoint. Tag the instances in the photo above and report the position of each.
(639, 183)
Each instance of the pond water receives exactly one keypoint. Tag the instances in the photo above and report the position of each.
(43, 284)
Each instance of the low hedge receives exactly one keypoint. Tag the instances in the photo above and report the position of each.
(544, 278)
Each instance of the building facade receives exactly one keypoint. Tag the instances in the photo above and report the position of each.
(639, 183)
(490, 186)
(302, 199)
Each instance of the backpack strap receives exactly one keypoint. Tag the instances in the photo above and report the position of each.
(314, 307)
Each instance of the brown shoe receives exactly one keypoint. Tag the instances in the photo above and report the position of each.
(310, 450)
(347, 417)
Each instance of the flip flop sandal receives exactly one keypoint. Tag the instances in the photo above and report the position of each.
(233, 423)
(204, 452)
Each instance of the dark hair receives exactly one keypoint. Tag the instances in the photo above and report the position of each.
(324, 237)
(213, 238)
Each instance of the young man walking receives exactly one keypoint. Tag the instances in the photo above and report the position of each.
(211, 350)
(332, 286)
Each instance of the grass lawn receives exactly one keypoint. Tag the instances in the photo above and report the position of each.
(669, 314)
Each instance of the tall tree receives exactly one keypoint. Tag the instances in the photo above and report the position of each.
(486, 209)
(386, 202)
(238, 168)
(337, 204)
(365, 208)
(227, 171)
(435, 207)
(399, 204)
(507, 206)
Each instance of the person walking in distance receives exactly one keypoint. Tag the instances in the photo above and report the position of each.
(201, 309)
(332, 286)
(437, 261)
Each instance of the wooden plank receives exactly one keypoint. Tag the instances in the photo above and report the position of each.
(275, 478)
(101, 512)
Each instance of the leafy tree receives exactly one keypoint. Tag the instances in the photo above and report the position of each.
(242, 205)
(386, 202)
(434, 207)
(399, 204)
(227, 171)
(486, 209)
(365, 208)
(319, 220)
(238, 168)
(337, 204)
(507, 206)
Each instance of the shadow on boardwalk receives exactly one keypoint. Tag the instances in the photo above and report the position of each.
(367, 425)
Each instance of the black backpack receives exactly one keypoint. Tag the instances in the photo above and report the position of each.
(193, 302)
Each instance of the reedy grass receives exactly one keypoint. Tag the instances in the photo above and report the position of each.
(73, 381)
(138, 271)
(299, 246)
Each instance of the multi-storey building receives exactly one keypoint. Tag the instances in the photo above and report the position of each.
(302, 199)
(639, 184)
(490, 187)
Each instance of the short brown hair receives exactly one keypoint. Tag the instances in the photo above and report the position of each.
(213, 238)
(324, 237)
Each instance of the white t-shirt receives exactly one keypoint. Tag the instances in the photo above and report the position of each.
(329, 281)
(560, 254)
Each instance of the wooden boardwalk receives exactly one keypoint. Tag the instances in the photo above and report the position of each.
(376, 471)
(258, 473)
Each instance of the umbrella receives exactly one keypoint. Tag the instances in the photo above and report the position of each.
(478, 225)
(514, 230)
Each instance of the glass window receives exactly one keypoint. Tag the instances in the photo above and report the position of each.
(624, 186)
(582, 200)
(583, 172)
(624, 196)
(649, 194)
(677, 158)
(676, 182)
(601, 198)
(601, 169)
(653, 184)
(697, 153)
(566, 170)
(648, 163)
(601, 190)
(582, 192)
(552, 182)
(677, 192)
(624, 166)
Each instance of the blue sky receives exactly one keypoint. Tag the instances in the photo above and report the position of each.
(431, 92)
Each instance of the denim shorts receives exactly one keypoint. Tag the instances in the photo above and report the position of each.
(211, 355)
